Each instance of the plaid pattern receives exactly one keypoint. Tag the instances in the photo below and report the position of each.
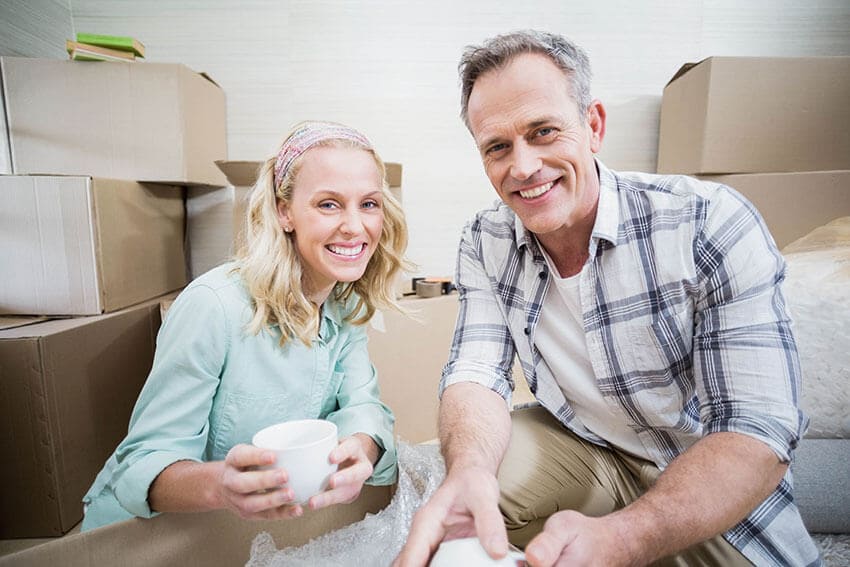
(686, 327)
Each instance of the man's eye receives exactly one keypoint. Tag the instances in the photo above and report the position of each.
(496, 148)
(543, 132)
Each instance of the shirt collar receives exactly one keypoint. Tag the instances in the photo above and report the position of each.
(332, 317)
(606, 225)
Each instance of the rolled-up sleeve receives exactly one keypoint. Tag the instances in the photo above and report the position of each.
(745, 358)
(170, 421)
(360, 409)
(482, 350)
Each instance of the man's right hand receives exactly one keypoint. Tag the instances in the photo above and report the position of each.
(465, 505)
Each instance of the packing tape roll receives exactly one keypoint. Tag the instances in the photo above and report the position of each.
(429, 289)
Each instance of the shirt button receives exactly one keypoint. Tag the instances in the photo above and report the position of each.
(542, 275)
(527, 331)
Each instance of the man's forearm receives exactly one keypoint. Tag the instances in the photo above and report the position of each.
(704, 492)
(475, 427)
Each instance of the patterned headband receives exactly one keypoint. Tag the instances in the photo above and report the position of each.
(307, 136)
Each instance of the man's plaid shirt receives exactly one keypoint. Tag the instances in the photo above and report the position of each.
(686, 327)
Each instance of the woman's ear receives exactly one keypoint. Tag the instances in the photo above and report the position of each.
(283, 216)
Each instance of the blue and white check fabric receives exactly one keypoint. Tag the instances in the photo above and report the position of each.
(687, 329)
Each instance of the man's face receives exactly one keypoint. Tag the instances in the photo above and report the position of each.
(536, 148)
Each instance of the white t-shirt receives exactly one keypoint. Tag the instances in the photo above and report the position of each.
(560, 338)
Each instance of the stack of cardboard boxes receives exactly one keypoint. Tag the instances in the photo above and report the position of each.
(777, 129)
(95, 159)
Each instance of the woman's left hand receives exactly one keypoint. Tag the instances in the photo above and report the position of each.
(355, 456)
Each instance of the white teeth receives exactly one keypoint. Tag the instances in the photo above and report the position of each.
(346, 250)
(536, 192)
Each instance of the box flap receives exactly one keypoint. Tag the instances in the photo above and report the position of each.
(14, 322)
(393, 174)
(207, 538)
(240, 173)
(207, 77)
(684, 69)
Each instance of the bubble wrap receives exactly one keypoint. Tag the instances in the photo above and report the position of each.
(817, 288)
(378, 538)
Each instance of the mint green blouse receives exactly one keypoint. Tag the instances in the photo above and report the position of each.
(212, 386)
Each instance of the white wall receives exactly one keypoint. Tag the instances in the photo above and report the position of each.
(34, 28)
(389, 69)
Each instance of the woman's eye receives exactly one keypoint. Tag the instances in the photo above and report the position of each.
(327, 205)
(371, 205)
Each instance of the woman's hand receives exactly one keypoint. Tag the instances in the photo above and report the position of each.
(356, 456)
(255, 494)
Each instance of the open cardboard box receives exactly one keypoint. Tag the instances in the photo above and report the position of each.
(213, 538)
(756, 114)
(145, 121)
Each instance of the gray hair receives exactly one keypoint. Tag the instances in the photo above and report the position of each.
(496, 52)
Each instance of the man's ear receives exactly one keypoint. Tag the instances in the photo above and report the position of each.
(283, 216)
(596, 121)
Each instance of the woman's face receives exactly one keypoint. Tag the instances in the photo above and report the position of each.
(335, 216)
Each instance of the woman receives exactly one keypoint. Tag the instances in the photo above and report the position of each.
(276, 335)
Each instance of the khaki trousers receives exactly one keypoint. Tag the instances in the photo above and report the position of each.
(547, 469)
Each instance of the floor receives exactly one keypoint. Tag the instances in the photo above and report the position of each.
(8, 546)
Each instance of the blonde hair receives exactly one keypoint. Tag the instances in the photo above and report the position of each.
(270, 265)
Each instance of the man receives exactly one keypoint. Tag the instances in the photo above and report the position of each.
(647, 316)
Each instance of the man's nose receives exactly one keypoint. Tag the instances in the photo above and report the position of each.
(525, 162)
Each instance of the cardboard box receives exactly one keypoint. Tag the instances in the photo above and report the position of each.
(215, 216)
(67, 388)
(394, 179)
(143, 121)
(409, 354)
(212, 538)
(756, 115)
(84, 246)
(793, 204)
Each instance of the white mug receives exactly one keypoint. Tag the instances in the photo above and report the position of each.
(470, 553)
(302, 448)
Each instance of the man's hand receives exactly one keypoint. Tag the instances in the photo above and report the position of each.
(573, 539)
(465, 505)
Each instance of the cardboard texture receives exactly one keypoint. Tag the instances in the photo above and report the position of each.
(84, 246)
(793, 204)
(67, 388)
(144, 121)
(212, 538)
(756, 115)
(409, 354)
(394, 179)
